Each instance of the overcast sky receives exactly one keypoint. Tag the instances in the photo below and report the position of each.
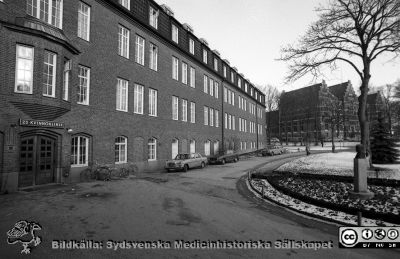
(250, 34)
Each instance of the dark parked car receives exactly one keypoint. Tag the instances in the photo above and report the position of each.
(222, 159)
(273, 150)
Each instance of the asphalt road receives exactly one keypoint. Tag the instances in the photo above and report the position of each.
(209, 204)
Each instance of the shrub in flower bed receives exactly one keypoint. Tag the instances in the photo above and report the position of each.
(334, 194)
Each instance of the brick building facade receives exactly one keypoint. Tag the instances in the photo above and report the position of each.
(307, 114)
(112, 82)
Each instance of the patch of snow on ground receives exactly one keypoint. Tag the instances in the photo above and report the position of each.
(335, 164)
(280, 198)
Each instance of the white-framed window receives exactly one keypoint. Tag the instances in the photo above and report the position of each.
(215, 64)
(79, 151)
(191, 46)
(239, 83)
(174, 148)
(211, 87)
(240, 101)
(139, 54)
(251, 91)
(49, 11)
(153, 17)
(125, 3)
(216, 113)
(205, 56)
(232, 77)
(175, 68)
(175, 33)
(216, 89)
(192, 112)
(153, 102)
(123, 41)
(225, 94)
(138, 99)
(211, 117)
(122, 95)
(245, 104)
(184, 110)
(83, 21)
(121, 150)
(245, 87)
(256, 95)
(240, 125)
(233, 123)
(225, 73)
(207, 147)
(152, 149)
(184, 73)
(233, 98)
(175, 108)
(206, 115)
(205, 84)
(226, 120)
(192, 146)
(49, 74)
(229, 121)
(153, 61)
(84, 85)
(66, 79)
(24, 69)
(193, 77)
(229, 97)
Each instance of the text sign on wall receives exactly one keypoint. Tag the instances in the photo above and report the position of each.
(39, 123)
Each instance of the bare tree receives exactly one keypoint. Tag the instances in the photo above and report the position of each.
(354, 32)
(272, 99)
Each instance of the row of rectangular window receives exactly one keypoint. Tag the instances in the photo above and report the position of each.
(229, 96)
(175, 72)
(52, 12)
(184, 110)
(210, 86)
(211, 117)
(230, 122)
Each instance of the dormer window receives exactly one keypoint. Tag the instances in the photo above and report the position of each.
(153, 17)
(205, 56)
(175, 33)
(125, 3)
(47, 11)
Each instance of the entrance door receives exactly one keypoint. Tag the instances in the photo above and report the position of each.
(37, 161)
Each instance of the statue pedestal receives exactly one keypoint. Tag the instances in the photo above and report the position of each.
(360, 180)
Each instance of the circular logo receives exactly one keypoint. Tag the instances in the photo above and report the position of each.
(349, 237)
(367, 234)
(380, 234)
(392, 234)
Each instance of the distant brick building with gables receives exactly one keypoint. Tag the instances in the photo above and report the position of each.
(306, 114)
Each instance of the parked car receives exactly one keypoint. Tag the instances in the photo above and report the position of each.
(275, 141)
(223, 158)
(186, 161)
(272, 150)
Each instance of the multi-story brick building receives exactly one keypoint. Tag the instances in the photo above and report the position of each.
(112, 82)
(307, 114)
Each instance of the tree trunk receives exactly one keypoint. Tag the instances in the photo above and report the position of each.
(333, 137)
(362, 108)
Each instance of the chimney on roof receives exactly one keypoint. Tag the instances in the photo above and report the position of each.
(167, 9)
(188, 27)
(202, 40)
(216, 52)
(226, 61)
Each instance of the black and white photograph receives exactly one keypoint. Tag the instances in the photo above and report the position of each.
(199, 129)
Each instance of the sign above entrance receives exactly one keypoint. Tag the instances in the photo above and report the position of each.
(39, 123)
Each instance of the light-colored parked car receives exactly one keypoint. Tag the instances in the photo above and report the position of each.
(186, 161)
(273, 150)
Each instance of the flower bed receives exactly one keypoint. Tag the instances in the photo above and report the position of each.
(334, 194)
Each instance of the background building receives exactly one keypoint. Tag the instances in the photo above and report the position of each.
(307, 114)
(112, 82)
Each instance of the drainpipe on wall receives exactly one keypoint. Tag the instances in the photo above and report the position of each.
(222, 117)
(257, 124)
